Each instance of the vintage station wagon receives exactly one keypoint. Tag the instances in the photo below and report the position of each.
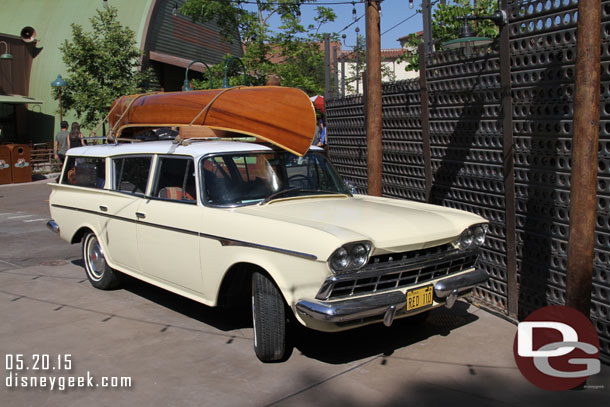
(222, 220)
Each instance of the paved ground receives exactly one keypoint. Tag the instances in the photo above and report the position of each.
(180, 353)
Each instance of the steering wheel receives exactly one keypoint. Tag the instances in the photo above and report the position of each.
(299, 181)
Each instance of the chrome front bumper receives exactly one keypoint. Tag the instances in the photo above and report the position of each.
(386, 304)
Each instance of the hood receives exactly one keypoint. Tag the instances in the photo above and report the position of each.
(391, 225)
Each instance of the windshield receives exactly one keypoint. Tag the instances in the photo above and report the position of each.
(249, 178)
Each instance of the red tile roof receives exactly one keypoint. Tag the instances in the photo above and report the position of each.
(392, 53)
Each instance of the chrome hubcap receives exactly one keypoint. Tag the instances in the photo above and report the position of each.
(96, 260)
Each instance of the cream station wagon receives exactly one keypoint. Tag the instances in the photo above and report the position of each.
(216, 220)
(222, 220)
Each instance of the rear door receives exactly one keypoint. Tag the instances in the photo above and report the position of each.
(119, 209)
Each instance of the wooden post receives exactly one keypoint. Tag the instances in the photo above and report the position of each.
(335, 72)
(326, 66)
(373, 105)
(584, 157)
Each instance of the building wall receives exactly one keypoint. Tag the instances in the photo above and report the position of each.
(52, 19)
(156, 29)
(389, 64)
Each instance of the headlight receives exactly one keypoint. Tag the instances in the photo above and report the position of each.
(339, 260)
(479, 235)
(350, 257)
(465, 239)
(472, 237)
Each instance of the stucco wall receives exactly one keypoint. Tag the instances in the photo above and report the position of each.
(51, 19)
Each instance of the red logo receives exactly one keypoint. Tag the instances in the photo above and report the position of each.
(557, 348)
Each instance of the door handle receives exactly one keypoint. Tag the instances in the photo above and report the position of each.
(140, 215)
(103, 208)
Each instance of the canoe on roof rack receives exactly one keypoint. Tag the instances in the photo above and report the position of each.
(279, 115)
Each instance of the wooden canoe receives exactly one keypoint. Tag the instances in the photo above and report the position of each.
(279, 115)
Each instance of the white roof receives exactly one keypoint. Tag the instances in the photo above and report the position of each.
(196, 149)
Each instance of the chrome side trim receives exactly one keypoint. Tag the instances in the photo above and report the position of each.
(53, 227)
(348, 310)
(229, 242)
(462, 282)
(223, 240)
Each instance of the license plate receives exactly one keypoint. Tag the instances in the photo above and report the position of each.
(419, 298)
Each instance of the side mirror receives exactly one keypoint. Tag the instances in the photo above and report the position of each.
(351, 187)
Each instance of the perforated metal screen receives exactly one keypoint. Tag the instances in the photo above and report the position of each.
(465, 127)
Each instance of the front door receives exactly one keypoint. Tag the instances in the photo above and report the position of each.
(168, 225)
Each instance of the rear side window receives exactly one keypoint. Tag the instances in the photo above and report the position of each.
(175, 179)
(85, 172)
(131, 174)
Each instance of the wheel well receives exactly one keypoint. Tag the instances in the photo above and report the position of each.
(78, 236)
(236, 287)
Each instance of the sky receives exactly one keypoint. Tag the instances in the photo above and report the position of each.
(393, 16)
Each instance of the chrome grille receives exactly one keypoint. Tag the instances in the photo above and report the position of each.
(397, 270)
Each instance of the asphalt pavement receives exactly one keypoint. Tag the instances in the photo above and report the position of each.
(160, 349)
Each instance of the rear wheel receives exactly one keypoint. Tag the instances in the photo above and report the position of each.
(268, 320)
(100, 275)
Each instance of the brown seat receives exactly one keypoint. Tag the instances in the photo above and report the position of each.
(175, 193)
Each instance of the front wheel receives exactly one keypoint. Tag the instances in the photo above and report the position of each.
(268, 320)
(100, 275)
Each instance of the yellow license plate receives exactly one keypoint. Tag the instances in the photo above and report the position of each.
(419, 298)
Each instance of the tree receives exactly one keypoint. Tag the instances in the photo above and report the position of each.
(102, 64)
(446, 26)
(295, 50)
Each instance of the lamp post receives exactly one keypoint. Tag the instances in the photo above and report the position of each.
(6, 55)
(225, 81)
(187, 85)
(467, 39)
(59, 83)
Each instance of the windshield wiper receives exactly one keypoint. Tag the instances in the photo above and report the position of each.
(296, 191)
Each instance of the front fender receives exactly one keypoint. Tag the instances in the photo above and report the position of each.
(296, 277)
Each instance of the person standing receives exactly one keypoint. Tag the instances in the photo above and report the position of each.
(61, 142)
(75, 139)
(322, 133)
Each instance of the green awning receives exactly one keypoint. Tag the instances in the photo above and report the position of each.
(18, 99)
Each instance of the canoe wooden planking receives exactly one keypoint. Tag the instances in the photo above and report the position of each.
(280, 115)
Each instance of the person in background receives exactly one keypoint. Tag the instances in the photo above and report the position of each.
(61, 142)
(75, 139)
(316, 137)
(273, 80)
(322, 132)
